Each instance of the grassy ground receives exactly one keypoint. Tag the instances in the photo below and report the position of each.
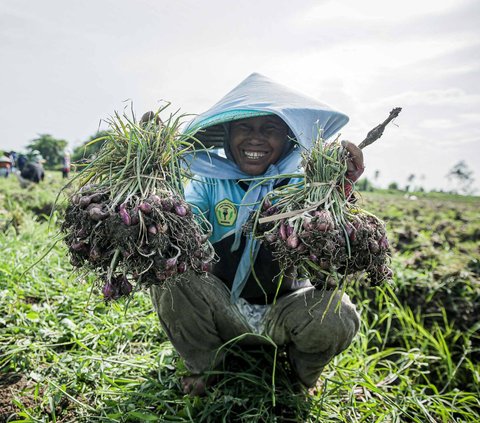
(67, 356)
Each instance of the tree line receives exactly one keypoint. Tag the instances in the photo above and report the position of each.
(460, 175)
(53, 150)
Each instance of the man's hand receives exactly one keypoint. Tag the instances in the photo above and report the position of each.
(355, 163)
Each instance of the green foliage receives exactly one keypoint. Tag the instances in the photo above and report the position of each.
(462, 176)
(139, 158)
(364, 184)
(52, 149)
(89, 148)
(393, 186)
(66, 356)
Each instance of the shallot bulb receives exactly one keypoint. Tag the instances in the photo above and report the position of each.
(180, 210)
(293, 241)
(351, 232)
(182, 267)
(84, 201)
(205, 266)
(79, 246)
(97, 214)
(145, 208)
(108, 291)
(170, 263)
(125, 286)
(155, 199)
(383, 243)
(270, 237)
(266, 204)
(124, 214)
(162, 229)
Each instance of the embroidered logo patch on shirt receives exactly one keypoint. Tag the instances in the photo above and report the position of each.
(226, 212)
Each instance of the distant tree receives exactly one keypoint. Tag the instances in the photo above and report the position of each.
(364, 185)
(462, 176)
(393, 185)
(52, 149)
(420, 187)
(89, 148)
(376, 175)
(410, 180)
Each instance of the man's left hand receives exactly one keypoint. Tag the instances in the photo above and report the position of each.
(355, 165)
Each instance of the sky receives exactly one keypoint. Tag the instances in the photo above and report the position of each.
(68, 65)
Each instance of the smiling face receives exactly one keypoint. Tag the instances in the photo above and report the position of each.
(257, 142)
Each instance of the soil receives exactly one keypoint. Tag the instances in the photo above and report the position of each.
(15, 386)
(12, 386)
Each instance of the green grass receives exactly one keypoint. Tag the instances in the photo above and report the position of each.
(66, 356)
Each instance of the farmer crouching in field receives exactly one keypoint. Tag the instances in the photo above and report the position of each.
(32, 171)
(262, 126)
(5, 165)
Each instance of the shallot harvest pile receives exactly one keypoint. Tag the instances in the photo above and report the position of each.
(127, 220)
(313, 227)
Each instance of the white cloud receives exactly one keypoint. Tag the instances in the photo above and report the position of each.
(438, 97)
(376, 9)
(440, 124)
(465, 124)
(470, 118)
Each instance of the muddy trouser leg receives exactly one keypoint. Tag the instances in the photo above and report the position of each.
(315, 325)
(198, 318)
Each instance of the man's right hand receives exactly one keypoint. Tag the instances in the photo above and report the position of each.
(355, 163)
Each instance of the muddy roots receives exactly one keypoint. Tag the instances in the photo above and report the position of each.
(141, 240)
(325, 250)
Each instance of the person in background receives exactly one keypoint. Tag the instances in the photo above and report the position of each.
(66, 165)
(264, 127)
(21, 161)
(13, 159)
(5, 165)
(33, 171)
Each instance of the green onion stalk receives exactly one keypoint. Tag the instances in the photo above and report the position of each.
(315, 228)
(127, 219)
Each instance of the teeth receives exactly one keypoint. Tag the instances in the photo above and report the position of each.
(254, 154)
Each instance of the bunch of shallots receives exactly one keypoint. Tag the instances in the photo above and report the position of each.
(313, 227)
(127, 220)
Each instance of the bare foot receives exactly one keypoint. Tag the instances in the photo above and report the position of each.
(194, 385)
